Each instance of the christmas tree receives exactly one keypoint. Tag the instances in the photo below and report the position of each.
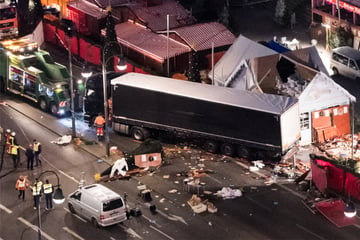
(193, 73)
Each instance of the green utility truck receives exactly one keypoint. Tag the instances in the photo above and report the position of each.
(27, 71)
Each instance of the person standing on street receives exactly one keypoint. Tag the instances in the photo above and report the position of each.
(48, 190)
(99, 124)
(14, 149)
(30, 157)
(37, 151)
(21, 184)
(36, 191)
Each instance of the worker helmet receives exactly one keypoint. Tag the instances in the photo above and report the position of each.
(8, 130)
(13, 134)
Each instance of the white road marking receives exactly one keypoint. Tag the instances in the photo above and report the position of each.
(169, 216)
(151, 226)
(308, 231)
(74, 234)
(80, 218)
(35, 228)
(5, 209)
(150, 220)
(130, 231)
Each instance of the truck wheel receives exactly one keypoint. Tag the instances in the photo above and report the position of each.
(43, 104)
(2, 84)
(54, 109)
(227, 149)
(211, 146)
(139, 133)
(243, 152)
(71, 208)
(94, 222)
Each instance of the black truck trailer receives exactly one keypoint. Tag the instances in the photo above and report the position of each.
(230, 120)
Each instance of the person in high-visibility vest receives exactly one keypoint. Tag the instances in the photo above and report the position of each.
(37, 151)
(48, 190)
(15, 155)
(99, 124)
(36, 191)
(21, 184)
(7, 140)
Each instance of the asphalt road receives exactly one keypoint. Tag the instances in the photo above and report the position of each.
(263, 212)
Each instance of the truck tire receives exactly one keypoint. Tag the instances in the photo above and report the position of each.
(139, 133)
(243, 152)
(43, 104)
(227, 149)
(211, 146)
(54, 109)
(2, 85)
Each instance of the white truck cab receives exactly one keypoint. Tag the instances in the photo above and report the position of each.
(98, 204)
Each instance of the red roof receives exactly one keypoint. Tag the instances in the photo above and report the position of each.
(201, 36)
(143, 40)
(155, 17)
(88, 8)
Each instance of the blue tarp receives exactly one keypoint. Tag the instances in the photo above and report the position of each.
(277, 46)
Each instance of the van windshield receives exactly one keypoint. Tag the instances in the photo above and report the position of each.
(113, 204)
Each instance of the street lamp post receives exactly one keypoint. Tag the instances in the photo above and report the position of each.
(121, 66)
(57, 199)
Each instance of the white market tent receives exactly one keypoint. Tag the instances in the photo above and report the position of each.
(321, 93)
(234, 70)
(229, 64)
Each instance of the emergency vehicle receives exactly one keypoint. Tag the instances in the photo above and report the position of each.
(8, 19)
(30, 72)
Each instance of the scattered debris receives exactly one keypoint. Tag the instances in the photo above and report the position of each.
(172, 191)
(66, 139)
(196, 204)
(229, 193)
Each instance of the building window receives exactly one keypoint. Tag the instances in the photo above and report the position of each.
(304, 121)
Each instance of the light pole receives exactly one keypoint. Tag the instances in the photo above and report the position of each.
(121, 66)
(57, 199)
(68, 28)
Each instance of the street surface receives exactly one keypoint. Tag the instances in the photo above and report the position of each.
(263, 212)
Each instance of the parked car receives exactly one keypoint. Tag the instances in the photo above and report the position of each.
(346, 61)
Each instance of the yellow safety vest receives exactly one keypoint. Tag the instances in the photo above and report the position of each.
(14, 150)
(48, 188)
(36, 190)
(36, 146)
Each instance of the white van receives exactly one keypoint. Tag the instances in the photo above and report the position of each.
(98, 204)
(346, 61)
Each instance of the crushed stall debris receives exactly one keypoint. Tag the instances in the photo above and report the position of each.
(228, 193)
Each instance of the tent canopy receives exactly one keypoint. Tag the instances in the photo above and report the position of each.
(242, 49)
(323, 92)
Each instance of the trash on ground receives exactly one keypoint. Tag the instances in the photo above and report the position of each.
(228, 193)
(66, 139)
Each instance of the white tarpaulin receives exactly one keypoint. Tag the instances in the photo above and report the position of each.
(242, 49)
(323, 92)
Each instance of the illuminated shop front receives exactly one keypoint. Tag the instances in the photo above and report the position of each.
(328, 14)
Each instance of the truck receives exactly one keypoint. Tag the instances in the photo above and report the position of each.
(94, 95)
(8, 19)
(30, 72)
(235, 122)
